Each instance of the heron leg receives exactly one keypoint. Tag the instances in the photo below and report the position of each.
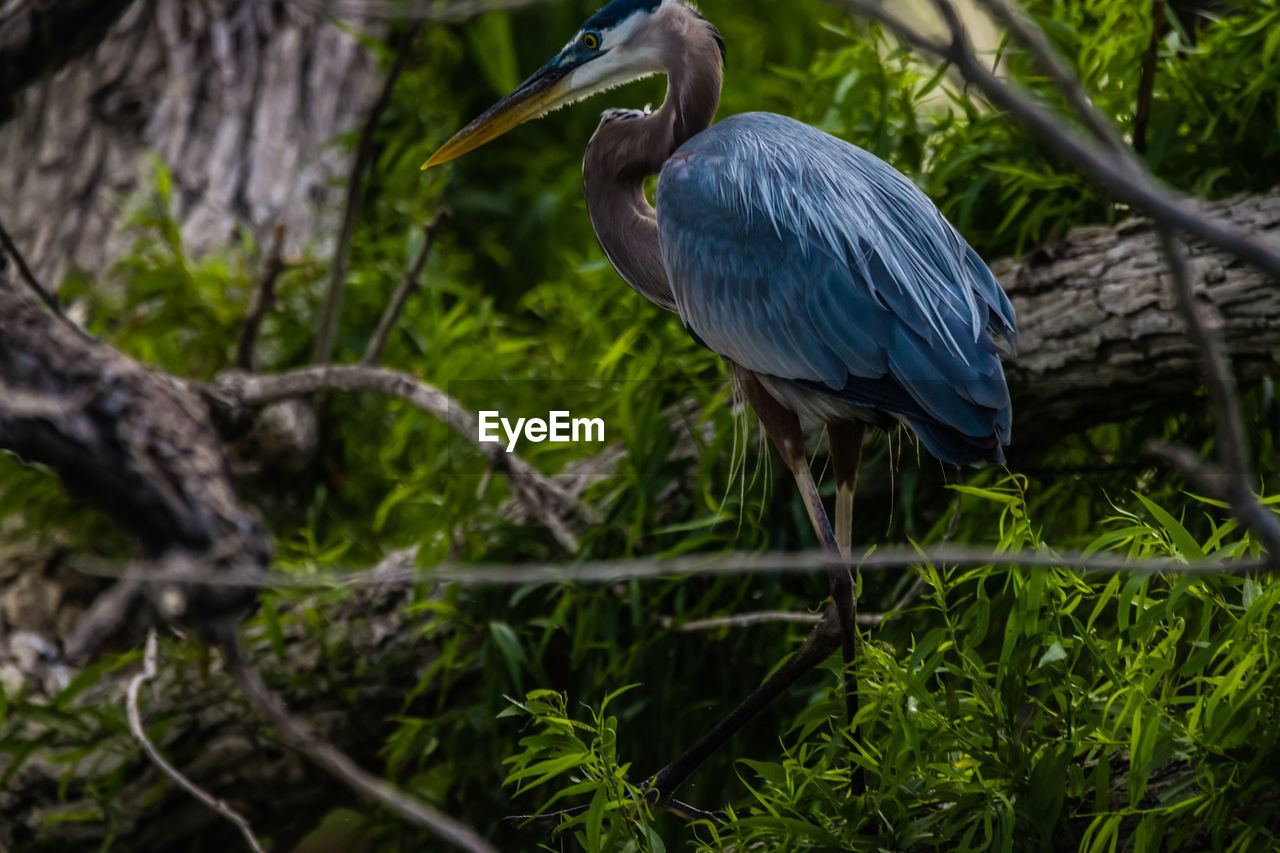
(836, 629)
(822, 641)
(845, 439)
(783, 426)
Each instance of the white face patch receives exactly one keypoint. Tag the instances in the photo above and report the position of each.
(626, 55)
(613, 69)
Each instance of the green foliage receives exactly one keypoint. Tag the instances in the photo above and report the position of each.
(1046, 709)
(1006, 710)
(618, 816)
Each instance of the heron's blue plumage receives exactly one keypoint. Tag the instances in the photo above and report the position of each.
(802, 257)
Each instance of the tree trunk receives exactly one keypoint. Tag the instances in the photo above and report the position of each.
(1100, 337)
(240, 99)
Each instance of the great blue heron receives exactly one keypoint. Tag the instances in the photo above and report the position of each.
(834, 288)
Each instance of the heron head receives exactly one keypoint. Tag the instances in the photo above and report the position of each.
(620, 43)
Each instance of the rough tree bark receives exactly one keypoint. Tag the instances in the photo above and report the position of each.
(139, 445)
(241, 99)
(1099, 333)
(37, 38)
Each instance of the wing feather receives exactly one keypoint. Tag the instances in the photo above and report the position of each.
(800, 256)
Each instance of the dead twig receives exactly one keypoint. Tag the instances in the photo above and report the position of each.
(29, 277)
(333, 761)
(1147, 82)
(746, 620)
(1233, 478)
(408, 285)
(327, 334)
(140, 735)
(263, 297)
(764, 617)
(544, 499)
(1053, 67)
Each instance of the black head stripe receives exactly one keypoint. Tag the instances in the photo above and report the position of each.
(617, 12)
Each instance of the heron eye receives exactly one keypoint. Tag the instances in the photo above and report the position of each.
(591, 41)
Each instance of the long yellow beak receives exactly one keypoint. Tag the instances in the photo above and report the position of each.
(541, 93)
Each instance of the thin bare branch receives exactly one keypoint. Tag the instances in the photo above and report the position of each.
(746, 620)
(333, 761)
(1233, 447)
(1147, 80)
(140, 735)
(1052, 66)
(24, 272)
(397, 570)
(767, 617)
(1137, 189)
(545, 500)
(263, 297)
(666, 802)
(410, 283)
(327, 334)
(1230, 487)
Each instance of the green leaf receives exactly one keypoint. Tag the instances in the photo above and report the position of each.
(1053, 654)
(1178, 535)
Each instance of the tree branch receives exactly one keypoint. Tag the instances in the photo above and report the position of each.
(1099, 333)
(1053, 67)
(11, 249)
(326, 335)
(877, 559)
(546, 500)
(1233, 482)
(330, 759)
(408, 284)
(263, 296)
(140, 735)
(1116, 168)
(133, 441)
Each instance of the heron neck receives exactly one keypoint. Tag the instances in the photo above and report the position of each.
(628, 147)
